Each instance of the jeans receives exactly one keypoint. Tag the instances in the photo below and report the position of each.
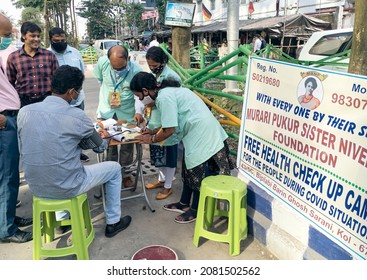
(108, 173)
(9, 177)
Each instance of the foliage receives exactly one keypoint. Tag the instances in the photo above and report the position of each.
(100, 18)
(33, 15)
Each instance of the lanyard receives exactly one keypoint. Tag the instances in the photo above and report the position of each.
(117, 84)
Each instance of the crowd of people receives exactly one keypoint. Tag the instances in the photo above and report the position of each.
(42, 89)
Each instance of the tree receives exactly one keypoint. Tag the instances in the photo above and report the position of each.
(181, 37)
(100, 18)
(358, 56)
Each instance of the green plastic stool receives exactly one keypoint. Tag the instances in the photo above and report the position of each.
(80, 221)
(213, 192)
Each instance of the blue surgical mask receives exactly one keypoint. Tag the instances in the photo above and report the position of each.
(123, 72)
(5, 42)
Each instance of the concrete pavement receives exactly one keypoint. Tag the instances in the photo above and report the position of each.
(147, 227)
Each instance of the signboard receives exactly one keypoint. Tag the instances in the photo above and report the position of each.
(179, 14)
(149, 14)
(304, 140)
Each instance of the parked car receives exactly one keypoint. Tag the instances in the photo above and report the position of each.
(102, 46)
(326, 43)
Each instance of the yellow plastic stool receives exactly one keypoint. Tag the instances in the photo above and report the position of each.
(214, 191)
(80, 221)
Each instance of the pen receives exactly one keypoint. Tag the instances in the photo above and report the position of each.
(146, 124)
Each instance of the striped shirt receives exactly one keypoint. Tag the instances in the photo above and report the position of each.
(31, 76)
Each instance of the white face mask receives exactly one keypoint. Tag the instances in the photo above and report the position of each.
(147, 100)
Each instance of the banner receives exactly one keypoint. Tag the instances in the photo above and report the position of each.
(149, 14)
(303, 139)
(179, 14)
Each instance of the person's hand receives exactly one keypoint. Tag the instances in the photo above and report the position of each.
(144, 138)
(103, 133)
(2, 121)
(146, 130)
(138, 118)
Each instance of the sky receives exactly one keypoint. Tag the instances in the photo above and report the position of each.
(7, 6)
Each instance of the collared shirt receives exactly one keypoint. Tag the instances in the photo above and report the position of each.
(129, 104)
(155, 115)
(49, 134)
(9, 98)
(31, 76)
(201, 133)
(71, 57)
(5, 53)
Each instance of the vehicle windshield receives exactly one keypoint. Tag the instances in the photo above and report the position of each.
(110, 44)
(332, 44)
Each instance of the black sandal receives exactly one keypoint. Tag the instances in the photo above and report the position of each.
(187, 217)
(176, 207)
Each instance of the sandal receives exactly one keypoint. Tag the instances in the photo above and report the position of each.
(176, 207)
(187, 217)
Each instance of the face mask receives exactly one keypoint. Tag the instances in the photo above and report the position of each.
(147, 100)
(122, 73)
(59, 46)
(5, 43)
(158, 70)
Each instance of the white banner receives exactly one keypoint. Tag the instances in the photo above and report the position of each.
(179, 14)
(304, 140)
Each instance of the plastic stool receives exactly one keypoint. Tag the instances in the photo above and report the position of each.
(80, 221)
(214, 190)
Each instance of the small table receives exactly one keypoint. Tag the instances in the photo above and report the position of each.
(139, 170)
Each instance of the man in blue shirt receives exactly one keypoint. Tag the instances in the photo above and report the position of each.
(67, 55)
(50, 133)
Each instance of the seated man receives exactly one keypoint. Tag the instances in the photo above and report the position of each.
(50, 133)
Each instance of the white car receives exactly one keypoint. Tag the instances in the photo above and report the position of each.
(326, 43)
(102, 46)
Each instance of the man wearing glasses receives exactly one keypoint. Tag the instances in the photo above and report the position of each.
(67, 55)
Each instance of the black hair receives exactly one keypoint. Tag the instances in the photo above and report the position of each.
(55, 31)
(126, 51)
(157, 54)
(312, 80)
(147, 80)
(66, 77)
(28, 26)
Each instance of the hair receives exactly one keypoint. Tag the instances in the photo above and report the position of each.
(125, 54)
(28, 26)
(146, 80)
(66, 77)
(55, 31)
(157, 54)
(312, 80)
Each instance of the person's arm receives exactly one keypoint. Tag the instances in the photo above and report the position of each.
(11, 70)
(161, 135)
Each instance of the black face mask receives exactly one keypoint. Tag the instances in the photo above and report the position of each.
(59, 46)
(158, 70)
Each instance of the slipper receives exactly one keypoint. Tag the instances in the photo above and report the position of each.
(162, 195)
(128, 182)
(176, 207)
(187, 217)
(150, 186)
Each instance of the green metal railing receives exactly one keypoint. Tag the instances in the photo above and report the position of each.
(89, 55)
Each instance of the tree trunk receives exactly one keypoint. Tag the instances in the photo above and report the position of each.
(358, 56)
(181, 37)
(47, 24)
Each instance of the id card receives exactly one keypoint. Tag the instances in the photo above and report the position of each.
(115, 99)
